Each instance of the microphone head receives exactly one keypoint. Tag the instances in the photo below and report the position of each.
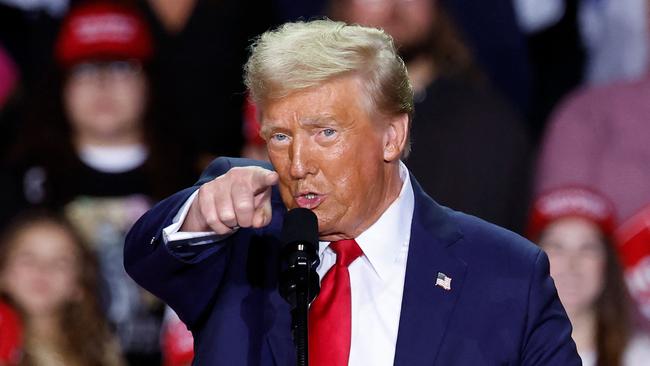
(300, 225)
(300, 256)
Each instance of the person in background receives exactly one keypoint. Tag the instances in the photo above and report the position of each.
(96, 148)
(598, 137)
(94, 129)
(574, 226)
(51, 278)
(614, 33)
(201, 47)
(470, 149)
(498, 45)
(581, 42)
(556, 54)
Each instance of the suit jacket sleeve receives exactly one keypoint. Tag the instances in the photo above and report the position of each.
(187, 284)
(548, 332)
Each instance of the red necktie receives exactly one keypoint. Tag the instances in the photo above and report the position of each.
(330, 323)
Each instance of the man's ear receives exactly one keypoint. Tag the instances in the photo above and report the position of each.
(395, 136)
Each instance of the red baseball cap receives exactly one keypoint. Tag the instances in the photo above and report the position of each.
(103, 30)
(571, 201)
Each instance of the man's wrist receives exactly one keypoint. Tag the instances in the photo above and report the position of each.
(193, 221)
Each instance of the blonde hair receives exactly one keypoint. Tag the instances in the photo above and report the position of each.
(302, 55)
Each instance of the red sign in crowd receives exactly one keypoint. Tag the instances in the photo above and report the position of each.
(633, 238)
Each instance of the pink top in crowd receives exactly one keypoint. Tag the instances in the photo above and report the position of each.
(600, 138)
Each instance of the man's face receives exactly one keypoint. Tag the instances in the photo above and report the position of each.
(333, 156)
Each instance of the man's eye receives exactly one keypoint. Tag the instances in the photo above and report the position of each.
(279, 137)
(329, 132)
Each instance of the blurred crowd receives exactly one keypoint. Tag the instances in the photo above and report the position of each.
(534, 115)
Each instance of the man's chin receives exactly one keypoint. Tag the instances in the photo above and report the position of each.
(327, 231)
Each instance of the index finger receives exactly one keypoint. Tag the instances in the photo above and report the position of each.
(262, 179)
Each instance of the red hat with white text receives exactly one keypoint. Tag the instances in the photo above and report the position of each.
(571, 202)
(103, 30)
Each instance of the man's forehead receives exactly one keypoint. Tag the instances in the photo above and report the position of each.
(330, 89)
(304, 119)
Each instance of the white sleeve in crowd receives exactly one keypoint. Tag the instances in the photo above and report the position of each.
(535, 15)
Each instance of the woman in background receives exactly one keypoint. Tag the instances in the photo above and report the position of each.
(51, 278)
(574, 226)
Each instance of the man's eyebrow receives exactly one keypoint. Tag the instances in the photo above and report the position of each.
(310, 121)
(267, 128)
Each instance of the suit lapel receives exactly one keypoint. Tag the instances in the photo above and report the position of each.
(426, 308)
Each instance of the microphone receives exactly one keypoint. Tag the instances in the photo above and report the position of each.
(299, 283)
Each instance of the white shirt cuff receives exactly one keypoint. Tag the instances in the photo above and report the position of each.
(171, 233)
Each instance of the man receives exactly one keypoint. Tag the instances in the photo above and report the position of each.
(404, 280)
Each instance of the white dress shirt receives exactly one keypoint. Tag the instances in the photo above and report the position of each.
(376, 278)
(171, 233)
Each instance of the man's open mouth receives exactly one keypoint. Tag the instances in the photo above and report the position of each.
(309, 200)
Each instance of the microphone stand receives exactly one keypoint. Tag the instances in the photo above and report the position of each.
(299, 283)
(299, 286)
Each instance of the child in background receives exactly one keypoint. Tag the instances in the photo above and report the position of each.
(50, 277)
(574, 226)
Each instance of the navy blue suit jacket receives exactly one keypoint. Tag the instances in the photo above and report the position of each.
(502, 308)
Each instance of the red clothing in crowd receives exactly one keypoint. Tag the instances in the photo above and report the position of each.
(10, 336)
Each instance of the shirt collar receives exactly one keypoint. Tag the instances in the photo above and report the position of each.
(387, 239)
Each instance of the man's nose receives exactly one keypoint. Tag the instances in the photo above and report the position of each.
(301, 159)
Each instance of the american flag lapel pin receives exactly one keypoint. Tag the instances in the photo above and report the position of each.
(443, 281)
